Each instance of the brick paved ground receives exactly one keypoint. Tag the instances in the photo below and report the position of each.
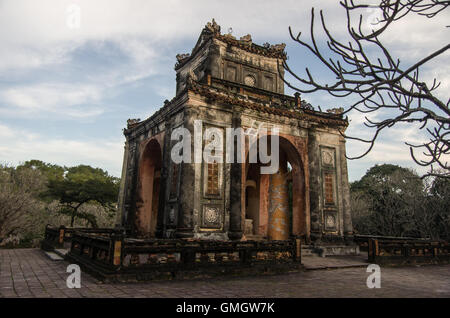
(331, 262)
(28, 273)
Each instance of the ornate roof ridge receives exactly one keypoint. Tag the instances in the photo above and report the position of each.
(246, 42)
(212, 30)
(264, 106)
(213, 92)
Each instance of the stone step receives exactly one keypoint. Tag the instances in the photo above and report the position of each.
(308, 250)
(330, 250)
(53, 256)
(61, 251)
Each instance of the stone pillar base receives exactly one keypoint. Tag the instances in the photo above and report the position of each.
(184, 233)
(234, 236)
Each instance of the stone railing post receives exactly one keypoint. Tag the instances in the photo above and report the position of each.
(116, 248)
(62, 230)
(406, 250)
(188, 255)
(373, 250)
(297, 250)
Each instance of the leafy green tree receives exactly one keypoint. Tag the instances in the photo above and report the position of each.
(82, 185)
(390, 200)
(49, 170)
(393, 195)
(434, 219)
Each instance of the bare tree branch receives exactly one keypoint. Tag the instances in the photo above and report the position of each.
(380, 82)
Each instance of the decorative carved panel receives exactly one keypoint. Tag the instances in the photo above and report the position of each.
(328, 157)
(212, 216)
(212, 184)
(330, 220)
(174, 180)
(172, 214)
(268, 83)
(213, 171)
(250, 80)
(329, 189)
(231, 73)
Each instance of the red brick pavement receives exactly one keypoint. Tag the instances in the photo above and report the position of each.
(29, 273)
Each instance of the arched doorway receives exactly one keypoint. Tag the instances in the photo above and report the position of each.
(275, 205)
(149, 186)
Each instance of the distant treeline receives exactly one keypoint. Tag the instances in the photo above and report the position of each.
(388, 200)
(37, 193)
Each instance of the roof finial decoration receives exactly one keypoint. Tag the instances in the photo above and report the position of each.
(213, 27)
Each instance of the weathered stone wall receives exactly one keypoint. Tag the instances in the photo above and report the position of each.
(211, 211)
(222, 61)
(330, 213)
(237, 65)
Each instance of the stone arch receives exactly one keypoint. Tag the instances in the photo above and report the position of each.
(149, 189)
(299, 223)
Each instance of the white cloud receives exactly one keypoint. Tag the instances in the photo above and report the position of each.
(41, 35)
(18, 145)
(6, 132)
(390, 147)
(41, 25)
(55, 98)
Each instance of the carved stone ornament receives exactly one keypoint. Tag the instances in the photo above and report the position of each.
(327, 158)
(172, 215)
(250, 80)
(246, 39)
(133, 121)
(211, 215)
(278, 47)
(330, 222)
(213, 26)
(336, 111)
(181, 57)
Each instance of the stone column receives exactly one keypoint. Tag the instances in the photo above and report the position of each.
(279, 203)
(315, 184)
(130, 203)
(161, 225)
(264, 181)
(185, 227)
(120, 216)
(348, 227)
(235, 231)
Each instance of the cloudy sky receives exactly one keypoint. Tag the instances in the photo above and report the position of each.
(66, 90)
